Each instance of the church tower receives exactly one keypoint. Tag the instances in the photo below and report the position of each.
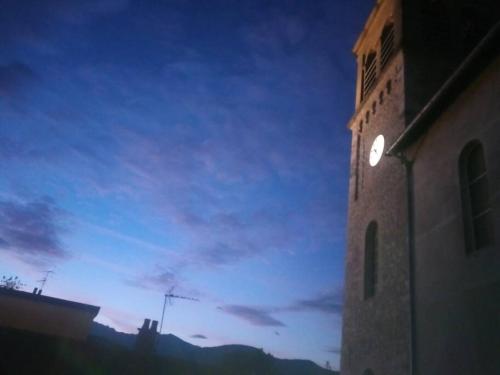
(407, 51)
(376, 306)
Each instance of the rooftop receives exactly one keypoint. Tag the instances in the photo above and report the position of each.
(49, 300)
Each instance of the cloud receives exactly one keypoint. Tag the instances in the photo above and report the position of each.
(159, 280)
(32, 230)
(253, 315)
(328, 303)
(15, 77)
(221, 254)
(164, 280)
(276, 34)
(22, 149)
(199, 336)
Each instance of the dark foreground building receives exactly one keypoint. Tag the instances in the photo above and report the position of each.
(33, 312)
(423, 258)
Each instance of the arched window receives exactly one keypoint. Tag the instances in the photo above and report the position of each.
(370, 273)
(386, 44)
(477, 213)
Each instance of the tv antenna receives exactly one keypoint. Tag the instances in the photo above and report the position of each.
(168, 297)
(45, 278)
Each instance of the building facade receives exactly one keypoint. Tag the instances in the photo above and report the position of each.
(422, 290)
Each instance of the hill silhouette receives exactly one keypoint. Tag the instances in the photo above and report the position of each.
(107, 352)
(170, 346)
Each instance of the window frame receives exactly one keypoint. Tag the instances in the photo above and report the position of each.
(474, 209)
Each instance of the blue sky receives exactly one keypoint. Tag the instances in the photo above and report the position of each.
(201, 144)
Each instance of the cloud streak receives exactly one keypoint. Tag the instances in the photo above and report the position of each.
(334, 350)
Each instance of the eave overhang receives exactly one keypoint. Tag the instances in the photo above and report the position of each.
(469, 69)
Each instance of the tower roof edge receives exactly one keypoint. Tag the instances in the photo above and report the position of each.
(367, 26)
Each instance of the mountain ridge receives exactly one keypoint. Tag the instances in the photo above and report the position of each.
(169, 345)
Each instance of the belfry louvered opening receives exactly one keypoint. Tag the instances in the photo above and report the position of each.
(386, 44)
(369, 73)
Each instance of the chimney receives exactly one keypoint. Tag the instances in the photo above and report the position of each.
(35, 291)
(145, 340)
(39, 292)
(145, 325)
(154, 326)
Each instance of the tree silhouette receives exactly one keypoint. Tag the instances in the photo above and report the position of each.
(12, 282)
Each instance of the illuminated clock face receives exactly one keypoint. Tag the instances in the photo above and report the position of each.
(377, 150)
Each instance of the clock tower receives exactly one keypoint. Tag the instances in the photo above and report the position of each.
(376, 306)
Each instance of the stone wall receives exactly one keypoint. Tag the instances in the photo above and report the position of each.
(458, 295)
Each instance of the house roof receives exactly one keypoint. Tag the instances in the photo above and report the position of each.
(38, 298)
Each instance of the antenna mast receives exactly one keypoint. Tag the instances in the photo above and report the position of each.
(168, 297)
(44, 280)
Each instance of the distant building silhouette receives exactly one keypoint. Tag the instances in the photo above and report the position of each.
(422, 289)
(37, 313)
(146, 338)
